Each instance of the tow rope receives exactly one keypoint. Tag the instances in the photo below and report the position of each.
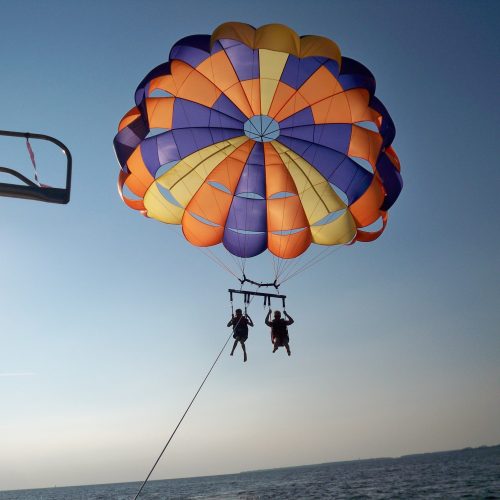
(185, 412)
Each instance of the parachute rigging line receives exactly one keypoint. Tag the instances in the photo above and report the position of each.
(187, 409)
(244, 280)
(302, 264)
(296, 269)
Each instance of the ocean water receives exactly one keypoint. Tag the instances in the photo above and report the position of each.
(469, 473)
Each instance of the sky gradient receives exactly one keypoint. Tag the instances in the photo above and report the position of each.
(109, 321)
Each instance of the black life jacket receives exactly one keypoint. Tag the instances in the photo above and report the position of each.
(240, 326)
(279, 328)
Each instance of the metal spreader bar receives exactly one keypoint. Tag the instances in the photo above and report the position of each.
(267, 296)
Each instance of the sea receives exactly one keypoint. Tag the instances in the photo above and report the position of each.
(472, 473)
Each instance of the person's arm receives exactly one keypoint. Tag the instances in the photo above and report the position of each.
(268, 323)
(289, 320)
(249, 320)
(230, 322)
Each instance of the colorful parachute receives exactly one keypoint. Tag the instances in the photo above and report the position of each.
(260, 139)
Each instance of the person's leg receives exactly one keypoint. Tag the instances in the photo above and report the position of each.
(288, 349)
(244, 350)
(274, 340)
(234, 347)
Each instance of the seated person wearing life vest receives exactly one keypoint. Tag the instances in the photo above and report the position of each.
(279, 329)
(240, 326)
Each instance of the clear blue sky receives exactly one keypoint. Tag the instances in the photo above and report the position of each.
(108, 321)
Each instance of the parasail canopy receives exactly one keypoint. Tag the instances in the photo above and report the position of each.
(260, 140)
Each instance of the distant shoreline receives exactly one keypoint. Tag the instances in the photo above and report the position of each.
(469, 448)
(482, 448)
(411, 455)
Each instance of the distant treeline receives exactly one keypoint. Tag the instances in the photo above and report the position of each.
(494, 448)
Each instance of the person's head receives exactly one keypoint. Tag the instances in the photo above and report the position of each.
(238, 312)
(277, 315)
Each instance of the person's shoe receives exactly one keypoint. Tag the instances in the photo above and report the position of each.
(245, 357)
(289, 352)
(275, 349)
(232, 352)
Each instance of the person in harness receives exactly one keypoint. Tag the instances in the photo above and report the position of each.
(240, 326)
(279, 330)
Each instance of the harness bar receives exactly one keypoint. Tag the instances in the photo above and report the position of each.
(247, 294)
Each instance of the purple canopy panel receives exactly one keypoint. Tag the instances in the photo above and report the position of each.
(192, 114)
(253, 177)
(303, 117)
(190, 140)
(304, 133)
(333, 67)
(359, 182)
(244, 244)
(247, 214)
(387, 129)
(252, 180)
(391, 180)
(189, 114)
(167, 148)
(245, 61)
(226, 106)
(221, 120)
(333, 136)
(354, 75)
(257, 154)
(217, 47)
(201, 42)
(336, 167)
(128, 139)
(224, 134)
(193, 50)
(300, 147)
(149, 152)
(297, 70)
(226, 43)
